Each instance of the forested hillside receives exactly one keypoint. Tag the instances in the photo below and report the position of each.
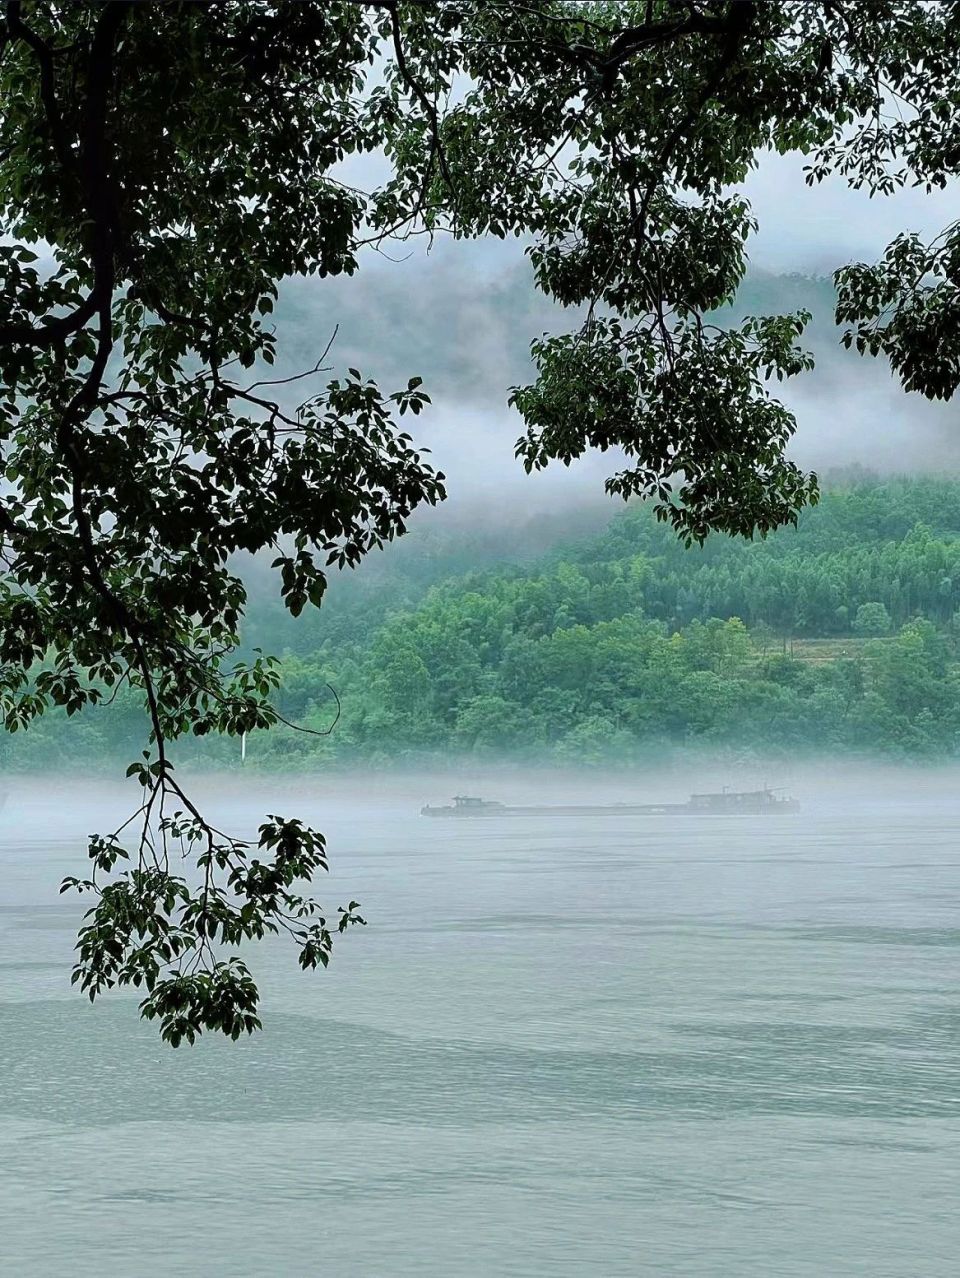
(471, 331)
(837, 635)
(840, 635)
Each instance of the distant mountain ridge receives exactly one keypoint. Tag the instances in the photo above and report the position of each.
(469, 335)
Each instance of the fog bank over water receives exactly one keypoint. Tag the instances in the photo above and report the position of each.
(71, 807)
(721, 1046)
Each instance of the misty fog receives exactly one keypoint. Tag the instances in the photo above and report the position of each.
(462, 316)
(34, 813)
(534, 1000)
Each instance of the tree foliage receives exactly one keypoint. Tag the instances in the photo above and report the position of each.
(164, 165)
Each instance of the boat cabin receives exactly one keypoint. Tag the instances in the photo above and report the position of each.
(737, 801)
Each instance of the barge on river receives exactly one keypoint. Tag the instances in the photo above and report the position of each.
(763, 802)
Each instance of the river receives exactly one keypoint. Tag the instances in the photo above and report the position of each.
(726, 1048)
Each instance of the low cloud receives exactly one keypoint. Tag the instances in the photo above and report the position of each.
(462, 317)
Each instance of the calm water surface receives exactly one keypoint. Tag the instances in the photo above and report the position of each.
(721, 1048)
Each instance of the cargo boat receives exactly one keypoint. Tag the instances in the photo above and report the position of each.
(763, 802)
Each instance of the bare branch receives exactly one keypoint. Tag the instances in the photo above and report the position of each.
(317, 368)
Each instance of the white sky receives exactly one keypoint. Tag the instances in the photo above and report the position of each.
(816, 229)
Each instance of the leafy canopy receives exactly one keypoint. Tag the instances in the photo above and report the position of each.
(164, 165)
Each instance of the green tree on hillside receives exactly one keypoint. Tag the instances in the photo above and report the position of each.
(871, 619)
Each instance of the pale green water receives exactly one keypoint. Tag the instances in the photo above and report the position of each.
(724, 1049)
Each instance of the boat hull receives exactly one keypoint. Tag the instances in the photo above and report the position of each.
(716, 803)
(780, 808)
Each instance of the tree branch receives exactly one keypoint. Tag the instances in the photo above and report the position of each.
(19, 30)
(421, 95)
(54, 330)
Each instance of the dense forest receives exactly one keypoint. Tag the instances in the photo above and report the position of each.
(616, 643)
